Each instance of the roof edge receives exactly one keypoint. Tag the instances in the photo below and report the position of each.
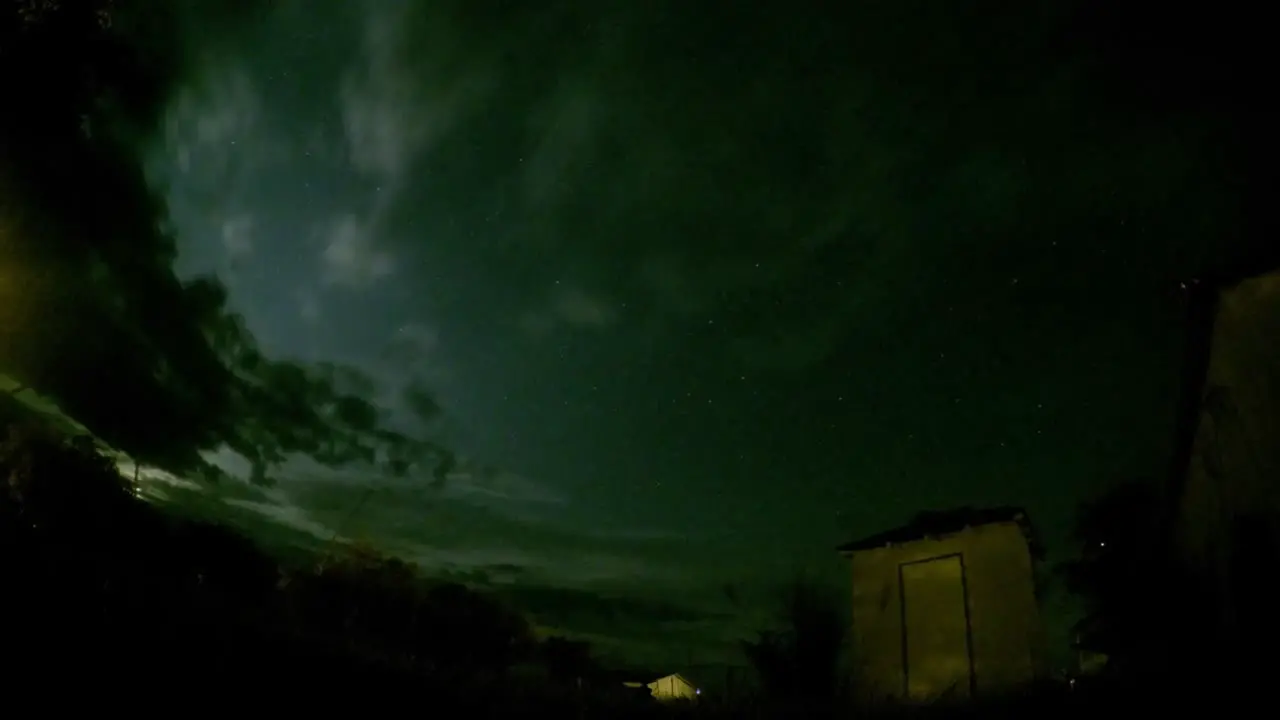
(1250, 265)
(932, 524)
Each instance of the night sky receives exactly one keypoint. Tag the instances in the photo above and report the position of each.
(713, 290)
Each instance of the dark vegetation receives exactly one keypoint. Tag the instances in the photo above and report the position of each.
(92, 314)
(1122, 572)
(102, 587)
(1154, 616)
(798, 663)
(96, 578)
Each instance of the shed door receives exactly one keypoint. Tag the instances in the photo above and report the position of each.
(935, 625)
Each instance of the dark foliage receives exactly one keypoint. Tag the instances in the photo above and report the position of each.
(1253, 563)
(383, 607)
(96, 579)
(94, 575)
(1115, 569)
(568, 662)
(799, 661)
(1144, 610)
(91, 312)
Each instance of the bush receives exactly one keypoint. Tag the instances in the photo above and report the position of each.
(800, 660)
(135, 592)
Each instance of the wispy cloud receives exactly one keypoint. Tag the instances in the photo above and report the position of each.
(208, 121)
(477, 519)
(351, 256)
(237, 236)
(498, 486)
(393, 108)
(565, 134)
(617, 588)
(571, 308)
(290, 516)
(413, 352)
(309, 306)
(383, 113)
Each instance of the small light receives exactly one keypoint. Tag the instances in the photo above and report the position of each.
(698, 691)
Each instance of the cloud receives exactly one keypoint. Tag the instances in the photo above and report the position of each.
(615, 587)
(382, 130)
(411, 345)
(206, 120)
(571, 308)
(394, 109)
(485, 576)
(379, 104)
(289, 516)
(309, 307)
(578, 309)
(218, 137)
(637, 627)
(491, 486)
(588, 611)
(733, 189)
(409, 365)
(350, 257)
(474, 520)
(237, 236)
(564, 144)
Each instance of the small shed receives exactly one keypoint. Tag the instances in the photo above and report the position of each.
(946, 608)
(669, 688)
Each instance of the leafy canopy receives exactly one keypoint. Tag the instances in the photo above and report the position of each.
(91, 312)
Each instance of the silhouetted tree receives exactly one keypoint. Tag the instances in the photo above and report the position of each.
(55, 484)
(90, 573)
(799, 660)
(464, 632)
(383, 608)
(567, 661)
(1138, 605)
(92, 314)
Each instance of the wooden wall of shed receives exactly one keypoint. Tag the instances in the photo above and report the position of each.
(1007, 634)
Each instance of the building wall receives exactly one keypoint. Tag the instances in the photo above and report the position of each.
(1006, 633)
(1234, 470)
(1236, 457)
